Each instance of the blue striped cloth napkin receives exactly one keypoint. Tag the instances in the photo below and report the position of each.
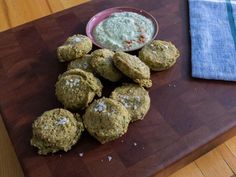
(213, 39)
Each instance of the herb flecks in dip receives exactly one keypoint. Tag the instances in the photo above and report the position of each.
(124, 31)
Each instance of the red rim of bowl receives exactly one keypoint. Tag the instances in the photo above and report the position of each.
(99, 17)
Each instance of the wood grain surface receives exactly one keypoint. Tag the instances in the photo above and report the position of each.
(17, 12)
(29, 64)
(8, 160)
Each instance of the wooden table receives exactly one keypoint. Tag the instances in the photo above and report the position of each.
(159, 87)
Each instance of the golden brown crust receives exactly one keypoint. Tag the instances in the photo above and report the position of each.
(159, 55)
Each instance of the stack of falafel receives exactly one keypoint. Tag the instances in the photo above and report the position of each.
(106, 119)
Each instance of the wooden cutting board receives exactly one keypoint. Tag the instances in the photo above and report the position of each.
(187, 116)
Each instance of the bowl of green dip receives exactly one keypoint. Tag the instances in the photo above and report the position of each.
(122, 28)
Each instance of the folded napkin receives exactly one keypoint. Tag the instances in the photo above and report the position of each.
(213, 38)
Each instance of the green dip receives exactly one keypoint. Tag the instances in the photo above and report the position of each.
(124, 31)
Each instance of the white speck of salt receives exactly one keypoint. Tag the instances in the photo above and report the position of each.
(101, 160)
(100, 107)
(166, 46)
(60, 155)
(135, 144)
(62, 121)
(174, 85)
(109, 158)
(122, 141)
(138, 98)
(126, 105)
(77, 81)
(124, 99)
(81, 154)
(76, 39)
(72, 82)
(142, 147)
